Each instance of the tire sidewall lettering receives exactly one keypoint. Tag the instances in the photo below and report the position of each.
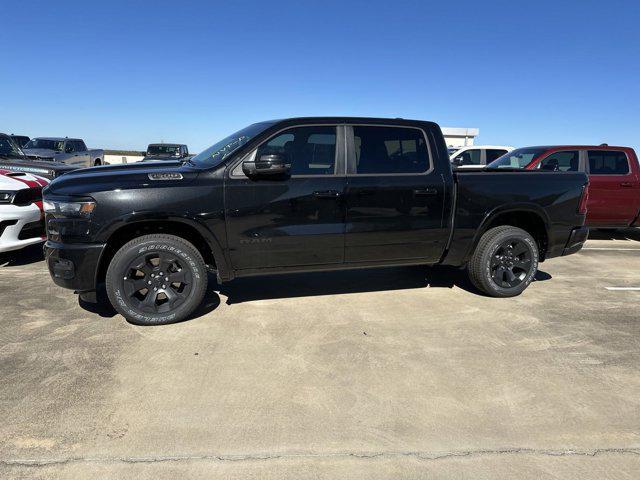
(152, 248)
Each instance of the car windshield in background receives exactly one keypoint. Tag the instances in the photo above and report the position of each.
(56, 145)
(518, 158)
(163, 150)
(215, 154)
(9, 148)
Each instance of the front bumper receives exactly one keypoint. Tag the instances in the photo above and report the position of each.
(576, 240)
(20, 227)
(74, 265)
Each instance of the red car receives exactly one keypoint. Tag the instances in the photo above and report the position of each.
(614, 177)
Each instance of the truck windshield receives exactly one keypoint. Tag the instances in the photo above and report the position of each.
(56, 145)
(9, 148)
(518, 158)
(163, 150)
(215, 154)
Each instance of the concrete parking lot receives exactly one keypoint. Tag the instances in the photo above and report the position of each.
(388, 373)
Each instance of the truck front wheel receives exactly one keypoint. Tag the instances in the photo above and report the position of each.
(504, 262)
(156, 279)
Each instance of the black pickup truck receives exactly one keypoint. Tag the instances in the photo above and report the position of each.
(303, 194)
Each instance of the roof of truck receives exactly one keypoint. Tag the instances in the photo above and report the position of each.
(56, 138)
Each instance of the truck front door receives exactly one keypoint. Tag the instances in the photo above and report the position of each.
(293, 221)
(71, 155)
(395, 198)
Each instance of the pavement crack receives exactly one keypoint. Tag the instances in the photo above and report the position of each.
(420, 455)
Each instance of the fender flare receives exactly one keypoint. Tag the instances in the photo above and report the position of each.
(222, 264)
(509, 208)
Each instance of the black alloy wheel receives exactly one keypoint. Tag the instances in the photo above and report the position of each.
(511, 263)
(156, 279)
(157, 283)
(504, 262)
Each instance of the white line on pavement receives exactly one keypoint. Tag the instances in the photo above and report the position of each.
(632, 289)
(613, 249)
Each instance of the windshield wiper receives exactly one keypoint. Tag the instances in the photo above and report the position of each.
(187, 161)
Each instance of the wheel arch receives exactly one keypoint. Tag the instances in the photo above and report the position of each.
(198, 235)
(529, 217)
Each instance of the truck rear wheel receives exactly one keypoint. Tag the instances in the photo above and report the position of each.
(504, 262)
(156, 279)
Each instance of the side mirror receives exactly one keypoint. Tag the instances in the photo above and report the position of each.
(550, 167)
(266, 165)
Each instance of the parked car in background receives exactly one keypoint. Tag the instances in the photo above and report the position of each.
(12, 158)
(302, 194)
(21, 140)
(71, 151)
(21, 214)
(477, 155)
(614, 177)
(166, 151)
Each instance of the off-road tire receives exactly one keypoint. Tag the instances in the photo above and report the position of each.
(187, 258)
(487, 251)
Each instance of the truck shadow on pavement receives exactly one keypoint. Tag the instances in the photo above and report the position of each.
(24, 256)
(349, 281)
(622, 234)
(317, 284)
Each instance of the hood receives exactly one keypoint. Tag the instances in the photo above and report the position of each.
(13, 181)
(39, 152)
(87, 181)
(45, 168)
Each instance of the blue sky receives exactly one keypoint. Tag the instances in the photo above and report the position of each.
(124, 74)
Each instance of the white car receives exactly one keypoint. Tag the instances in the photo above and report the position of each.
(21, 214)
(477, 155)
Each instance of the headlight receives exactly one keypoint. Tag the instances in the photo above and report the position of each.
(6, 197)
(69, 209)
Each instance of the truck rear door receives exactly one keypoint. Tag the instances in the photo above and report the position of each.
(394, 198)
(614, 189)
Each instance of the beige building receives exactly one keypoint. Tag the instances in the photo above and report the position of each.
(459, 137)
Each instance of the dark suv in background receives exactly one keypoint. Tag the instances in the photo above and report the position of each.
(166, 151)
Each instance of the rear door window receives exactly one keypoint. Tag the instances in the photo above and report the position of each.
(608, 162)
(565, 161)
(389, 150)
(493, 154)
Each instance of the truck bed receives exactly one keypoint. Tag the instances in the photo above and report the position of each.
(483, 195)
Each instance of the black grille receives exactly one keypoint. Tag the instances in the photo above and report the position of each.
(27, 196)
(32, 230)
(5, 224)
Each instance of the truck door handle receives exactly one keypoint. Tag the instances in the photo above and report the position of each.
(626, 185)
(327, 194)
(425, 192)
